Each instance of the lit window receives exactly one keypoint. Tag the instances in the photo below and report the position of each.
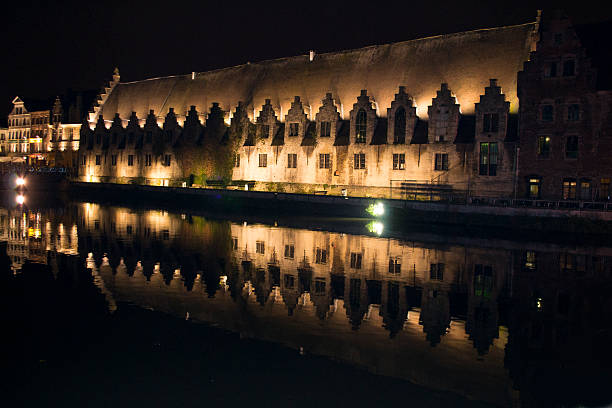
(324, 161)
(530, 260)
(585, 190)
(360, 161)
(292, 161)
(399, 161)
(361, 126)
(544, 143)
(533, 188)
(441, 161)
(569, 189)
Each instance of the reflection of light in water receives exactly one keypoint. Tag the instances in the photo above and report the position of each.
(375, 227)
(376, 209)
(20, 199)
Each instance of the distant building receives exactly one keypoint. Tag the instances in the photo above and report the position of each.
(565, 94)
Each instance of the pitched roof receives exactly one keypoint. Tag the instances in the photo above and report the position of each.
(466, 61)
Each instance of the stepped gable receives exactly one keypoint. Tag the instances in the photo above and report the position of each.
(464, 60)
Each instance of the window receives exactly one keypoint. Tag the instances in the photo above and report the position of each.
(530, 260)
(361, 126)
(149, 137)
(551, 70)
(490, 122)
(128, 229)
(113, 138)
(130, 138)
(360, 161)
(325, 129)
(263, 160)
(98, 138)
(294, 129)
(441, 161)
(234, 243)
(604, 189)
(436, 271)
(483, 280)
(544, 147)
(399, 161)
(547, 113)
(569, 68)
(569, 189)
(585, 190)
(399, 126)
(292, 161)
(289, 281)
(324, 161)
(147, 160)
(395, 265)
(289, 251)
(488, 159)
(355, 260)
(237, 160)
(83, 160)
(98, 159)
(319, 286)
(573, 112)
(167, 160)
(533, 187)
(113, 160)
(130, 160)
(265, 132)
(321, 256)
(260, 247)
(168, 136)
(571, 147)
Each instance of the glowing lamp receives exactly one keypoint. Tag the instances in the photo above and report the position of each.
(20, 199)
(377, 209)
(20, 181)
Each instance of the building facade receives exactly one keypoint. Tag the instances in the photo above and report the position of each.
(566, 127)
(387, 126)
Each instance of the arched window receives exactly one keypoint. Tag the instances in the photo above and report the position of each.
(399, 126)
(360, 126)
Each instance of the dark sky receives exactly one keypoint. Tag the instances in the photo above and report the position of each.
(50, 47)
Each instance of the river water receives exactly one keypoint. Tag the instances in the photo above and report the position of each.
(143, 306)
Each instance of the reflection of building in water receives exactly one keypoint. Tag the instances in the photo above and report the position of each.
(376, 302)
(36, 236)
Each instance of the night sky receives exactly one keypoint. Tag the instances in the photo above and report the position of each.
(50, 47)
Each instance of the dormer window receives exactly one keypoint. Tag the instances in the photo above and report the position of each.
(490, 122)
(360, 126)
(325, 129)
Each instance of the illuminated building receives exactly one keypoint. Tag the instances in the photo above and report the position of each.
(360, 120)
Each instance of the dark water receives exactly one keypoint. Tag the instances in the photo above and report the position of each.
(115, 306)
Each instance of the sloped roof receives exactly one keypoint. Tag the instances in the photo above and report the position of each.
(466, 61)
